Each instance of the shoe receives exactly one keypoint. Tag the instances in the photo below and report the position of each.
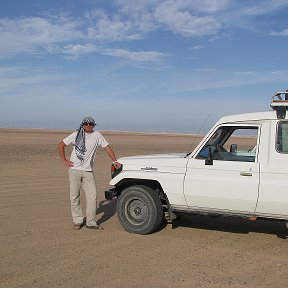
(95, 227)
(77, 226)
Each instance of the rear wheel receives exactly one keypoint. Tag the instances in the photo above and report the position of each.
(139, 209)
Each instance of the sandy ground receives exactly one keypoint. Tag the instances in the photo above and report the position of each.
(39, 248)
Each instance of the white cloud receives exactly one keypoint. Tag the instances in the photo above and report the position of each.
(31, 34)
(282, 33)
(280, 73)
(197, 47)
(75, 50)
(140, 56)
(246, 73)
(185, 23)
(107, 28)
(130, 21)
(205, 6)
(135, 19)
(55, 35)
(206, 70)
(148, 6)
(262, 7)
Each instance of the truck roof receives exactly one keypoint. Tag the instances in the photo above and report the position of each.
(246, 117)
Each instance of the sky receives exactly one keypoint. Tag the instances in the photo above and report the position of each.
(141, 65)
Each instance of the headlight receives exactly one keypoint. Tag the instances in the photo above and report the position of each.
(114, 171)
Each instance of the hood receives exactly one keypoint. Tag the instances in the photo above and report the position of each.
(169, 163)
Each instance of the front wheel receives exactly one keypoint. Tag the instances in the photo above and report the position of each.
(139, 210)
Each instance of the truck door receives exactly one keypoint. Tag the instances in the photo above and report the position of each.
(273, 192)
(230, 180)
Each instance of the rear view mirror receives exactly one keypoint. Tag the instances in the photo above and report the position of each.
(209, 160)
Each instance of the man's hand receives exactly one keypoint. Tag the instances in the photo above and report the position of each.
(116, 164)
(61, 148)
(68, 163)
(111, 153)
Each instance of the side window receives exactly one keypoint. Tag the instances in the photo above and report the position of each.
(282, 137)
(232, 143)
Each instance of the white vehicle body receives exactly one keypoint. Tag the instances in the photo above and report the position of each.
(250, 182)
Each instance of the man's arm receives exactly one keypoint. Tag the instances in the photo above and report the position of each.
(111, 154)
(61, 149)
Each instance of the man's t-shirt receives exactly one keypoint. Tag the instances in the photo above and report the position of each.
(92, 142)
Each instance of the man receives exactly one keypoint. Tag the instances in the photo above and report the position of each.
(85, 143)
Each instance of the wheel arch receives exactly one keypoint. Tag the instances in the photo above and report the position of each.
(127, 182)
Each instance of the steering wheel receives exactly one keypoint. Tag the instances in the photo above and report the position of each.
(220, 152)
(220, 148)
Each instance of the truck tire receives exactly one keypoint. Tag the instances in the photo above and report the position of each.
(139, 210)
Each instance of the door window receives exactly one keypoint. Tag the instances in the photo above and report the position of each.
(232, 143)
(282, 137)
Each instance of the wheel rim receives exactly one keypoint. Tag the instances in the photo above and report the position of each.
(136, 211)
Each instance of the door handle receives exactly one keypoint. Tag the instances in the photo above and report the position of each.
(245, 173)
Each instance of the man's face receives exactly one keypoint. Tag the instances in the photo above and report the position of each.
(88, 127)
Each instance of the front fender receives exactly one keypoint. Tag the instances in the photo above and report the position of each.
(171, 183)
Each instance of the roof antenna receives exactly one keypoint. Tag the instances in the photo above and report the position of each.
(198, 132)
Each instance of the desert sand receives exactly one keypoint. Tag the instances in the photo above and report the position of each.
(40, 248)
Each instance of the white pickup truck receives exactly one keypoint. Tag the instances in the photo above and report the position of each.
(240, 168)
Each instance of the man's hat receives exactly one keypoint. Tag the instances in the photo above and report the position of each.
(89, 120)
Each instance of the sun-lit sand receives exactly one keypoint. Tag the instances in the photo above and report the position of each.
(39, 248)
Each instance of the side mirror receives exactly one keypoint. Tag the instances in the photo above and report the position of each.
(209, 160)
(233, 148)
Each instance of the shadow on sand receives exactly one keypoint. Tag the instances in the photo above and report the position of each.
(108, 208)
(232, 225)
(225, 224)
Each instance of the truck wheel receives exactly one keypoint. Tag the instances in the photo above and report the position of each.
(139, 210)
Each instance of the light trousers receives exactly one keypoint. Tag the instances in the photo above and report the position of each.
(86, 180)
